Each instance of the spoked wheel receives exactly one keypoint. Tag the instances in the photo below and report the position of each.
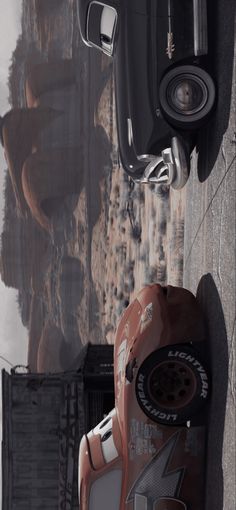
(172, 385)
(187, 96)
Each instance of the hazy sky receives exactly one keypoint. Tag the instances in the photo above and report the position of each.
(13, 337)
(12, 334)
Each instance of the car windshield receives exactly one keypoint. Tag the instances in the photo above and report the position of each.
(101, 25)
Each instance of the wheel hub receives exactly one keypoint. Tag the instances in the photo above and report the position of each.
(187, 95)
(172, 384)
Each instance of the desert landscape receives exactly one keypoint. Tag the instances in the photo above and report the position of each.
(144, 233)
(100, 242)
(79, 258)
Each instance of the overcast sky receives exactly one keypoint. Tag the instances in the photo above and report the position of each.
(13, 337)
(12, 334)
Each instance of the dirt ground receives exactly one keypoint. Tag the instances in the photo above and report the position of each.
(136, 240)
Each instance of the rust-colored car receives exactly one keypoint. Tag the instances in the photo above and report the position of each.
(149, 452)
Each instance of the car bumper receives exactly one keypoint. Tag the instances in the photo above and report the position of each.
(171, 168)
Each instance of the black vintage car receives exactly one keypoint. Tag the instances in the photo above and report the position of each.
(163, 92)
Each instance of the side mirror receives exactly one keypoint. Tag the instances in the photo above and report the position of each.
(108, 29)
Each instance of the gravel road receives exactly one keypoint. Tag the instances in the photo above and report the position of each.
(209, 258)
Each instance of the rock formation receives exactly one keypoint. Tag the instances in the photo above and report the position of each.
(71, 290)
(36, 325)
(20, 133)
(41, 143)
(48, 356)
(47, 177)
(25, 256)
(49, 76)
(54, 354)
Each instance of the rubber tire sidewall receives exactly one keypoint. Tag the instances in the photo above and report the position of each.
(155, 412)
(187, 121)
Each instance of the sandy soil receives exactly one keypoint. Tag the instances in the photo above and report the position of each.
(142, 239)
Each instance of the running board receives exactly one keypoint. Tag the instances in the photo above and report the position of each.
(200, 27)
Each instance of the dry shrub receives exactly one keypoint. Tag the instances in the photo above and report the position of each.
(129, 284)
(117, 191)
(155, 274)
(177, 241)
(138, 194)
(136, 233)
(162, 191)
(123, 214)
(129, 268)
(162, 226)
(161, 251)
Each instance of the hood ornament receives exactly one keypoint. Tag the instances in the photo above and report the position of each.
(170, 36)
(170, 45)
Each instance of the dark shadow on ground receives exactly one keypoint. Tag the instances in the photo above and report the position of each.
(208, 296)
(221, 55)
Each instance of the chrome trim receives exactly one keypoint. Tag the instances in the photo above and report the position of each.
(145, 158)
(85, 41)
(200, 27)
(170, 36)
(162, 176)
(107, 51)
(168, 159)
(130, 131)
(170, 45)
(181, 164)
(173, 166)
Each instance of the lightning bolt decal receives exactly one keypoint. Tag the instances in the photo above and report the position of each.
(156, 481)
